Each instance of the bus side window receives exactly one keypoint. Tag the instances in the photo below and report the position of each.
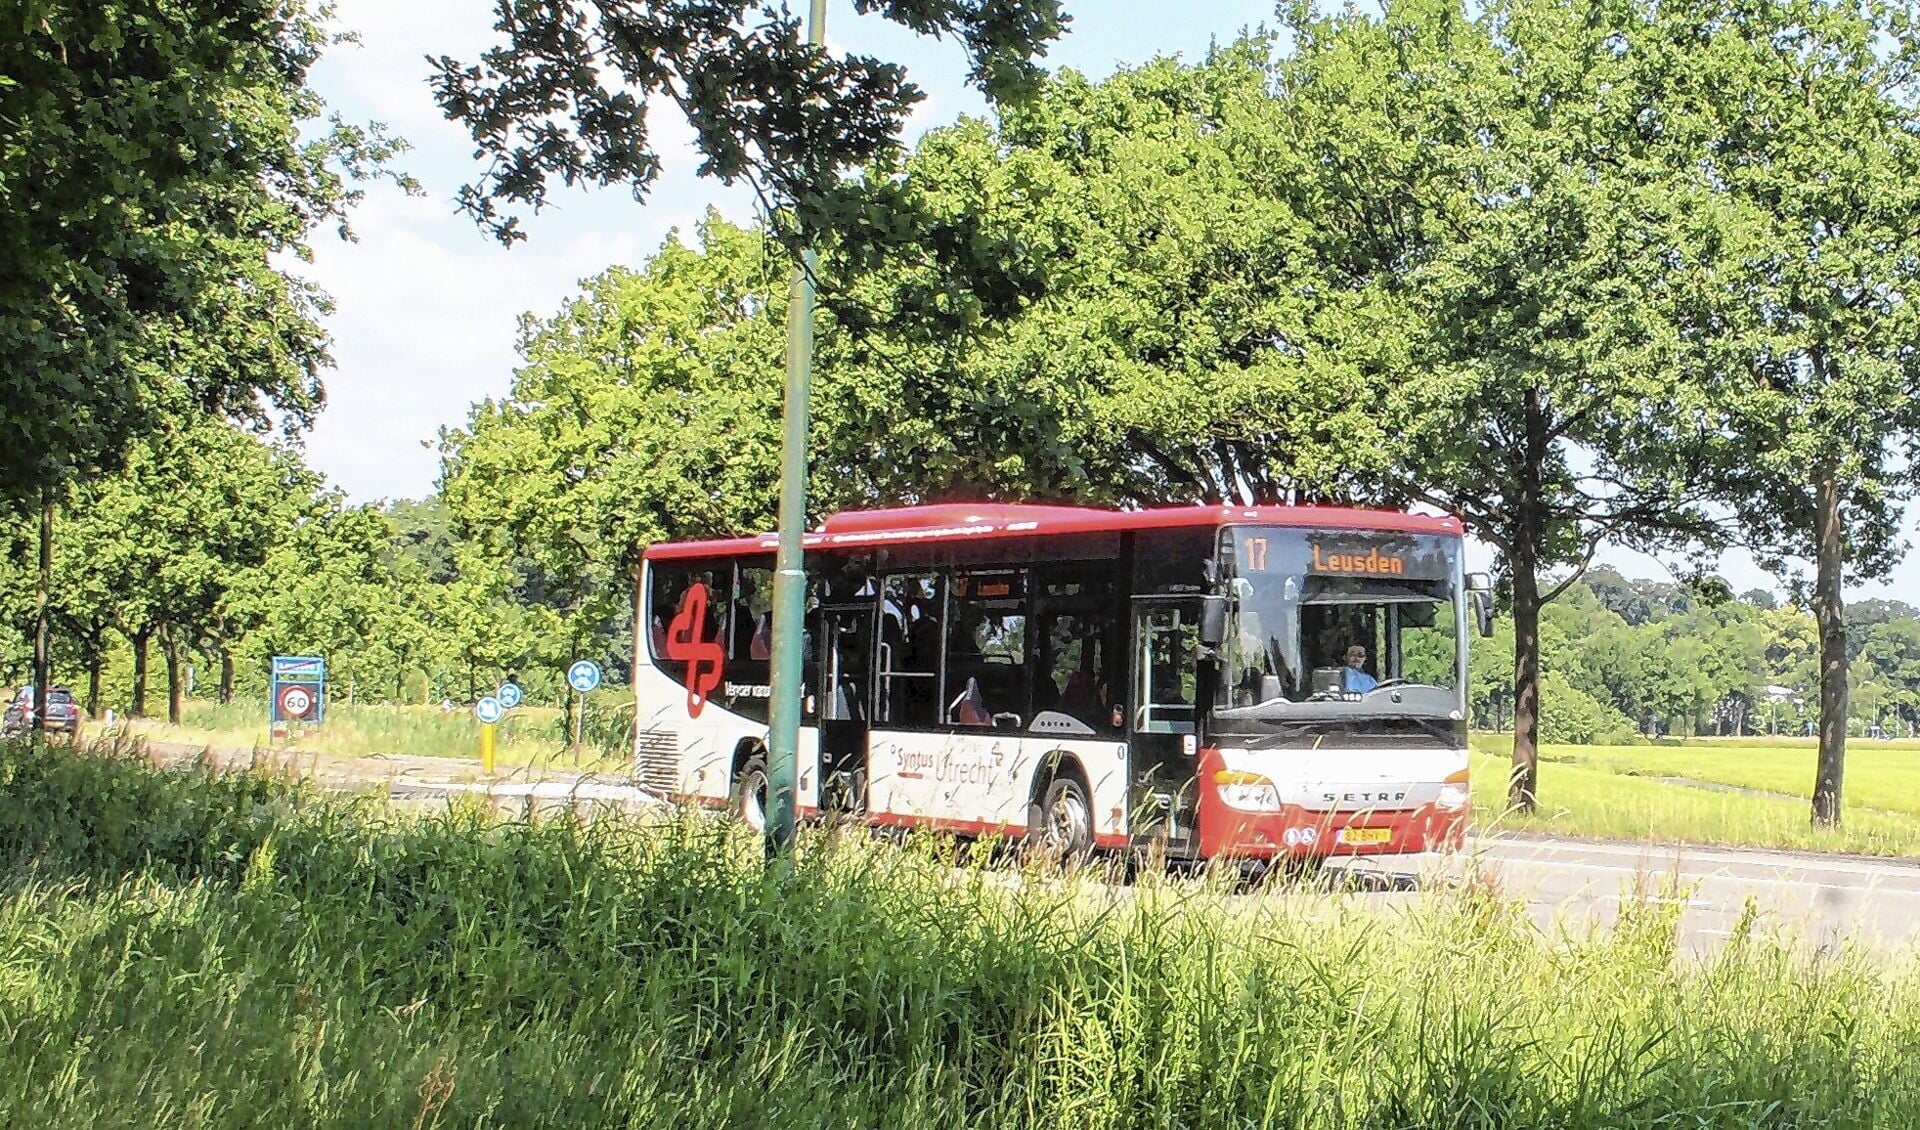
(1072, 665)
(750, 619)
(911, 615)
(671, 584)
(986, 656)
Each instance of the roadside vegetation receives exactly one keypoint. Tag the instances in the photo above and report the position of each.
(188, 949)
(537, 736)
(1737, 792)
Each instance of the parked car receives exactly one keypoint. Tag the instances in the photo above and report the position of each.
(63, 713)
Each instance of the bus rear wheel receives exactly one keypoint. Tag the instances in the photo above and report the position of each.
(750, 793)
(1061, 825)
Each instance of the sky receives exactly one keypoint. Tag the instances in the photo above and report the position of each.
(427, 306)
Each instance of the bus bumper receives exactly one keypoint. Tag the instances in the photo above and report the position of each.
(1295, 831)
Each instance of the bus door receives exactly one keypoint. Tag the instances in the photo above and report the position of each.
(1163, 716)
(846, 654)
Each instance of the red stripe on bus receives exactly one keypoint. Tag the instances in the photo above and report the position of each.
(941, 824)
(854, 529)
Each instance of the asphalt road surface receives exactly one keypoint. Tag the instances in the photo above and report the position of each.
(1820, 900)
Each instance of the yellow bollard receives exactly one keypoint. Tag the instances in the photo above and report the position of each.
(486, 748)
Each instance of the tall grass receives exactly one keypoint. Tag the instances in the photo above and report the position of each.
(194, 950)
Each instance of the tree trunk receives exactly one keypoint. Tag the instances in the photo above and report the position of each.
(225, 693)
(139, 642)
(1524, 785)
(170, 649)
(96, 662)
(42, 608)
(1829, 615)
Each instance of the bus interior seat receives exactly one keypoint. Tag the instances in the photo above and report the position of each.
(969, 708)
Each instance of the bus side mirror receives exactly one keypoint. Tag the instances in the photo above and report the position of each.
(1213, 621)
(1480, 588)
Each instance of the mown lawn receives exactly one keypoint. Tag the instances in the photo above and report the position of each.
(184, 950)
(1618, 791)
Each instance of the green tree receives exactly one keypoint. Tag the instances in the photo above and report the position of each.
(1799, 122)
(1489, 165)
(1114, 293)
(155, 174)
(647, 408)
(566, 96)
(158, 548)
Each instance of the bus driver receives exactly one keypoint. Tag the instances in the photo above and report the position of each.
(1354, 679)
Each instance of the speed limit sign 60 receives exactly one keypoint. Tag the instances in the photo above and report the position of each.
(297, 700)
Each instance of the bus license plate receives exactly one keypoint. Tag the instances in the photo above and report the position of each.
(1365, 835)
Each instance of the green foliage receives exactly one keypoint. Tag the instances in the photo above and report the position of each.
(1118, 297)
(260, 955)
(154, 174)
(566, 96)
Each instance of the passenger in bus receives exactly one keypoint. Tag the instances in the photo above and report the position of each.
(1354, 678)
(1078, 699)
(970, 708)
(743, 621)
(923, 636)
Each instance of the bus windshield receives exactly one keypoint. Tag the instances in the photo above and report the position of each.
(1341, 622)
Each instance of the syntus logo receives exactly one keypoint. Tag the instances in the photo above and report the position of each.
(705, 659)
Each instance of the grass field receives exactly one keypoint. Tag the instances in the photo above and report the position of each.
(529, 735)
(184, 950)
(1631, 792)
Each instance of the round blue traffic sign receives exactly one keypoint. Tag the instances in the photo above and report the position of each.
(584, 676)
(509, 695)
(489, 710)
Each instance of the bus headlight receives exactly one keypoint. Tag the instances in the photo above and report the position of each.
(1453, 792)
(1248, 792)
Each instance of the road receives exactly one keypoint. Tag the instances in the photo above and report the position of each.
(1817, 899)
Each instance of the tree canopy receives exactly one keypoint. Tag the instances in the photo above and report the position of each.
(566, 96)
(153, 175)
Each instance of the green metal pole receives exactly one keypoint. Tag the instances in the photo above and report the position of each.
(789, 577)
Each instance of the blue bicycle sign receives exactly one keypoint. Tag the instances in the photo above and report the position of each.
(584, 676)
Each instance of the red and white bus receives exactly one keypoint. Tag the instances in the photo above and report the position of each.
(1211, 681)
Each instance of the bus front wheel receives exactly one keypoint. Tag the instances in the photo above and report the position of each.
(750, 793)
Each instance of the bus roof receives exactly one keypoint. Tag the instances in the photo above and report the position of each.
(854, 529)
